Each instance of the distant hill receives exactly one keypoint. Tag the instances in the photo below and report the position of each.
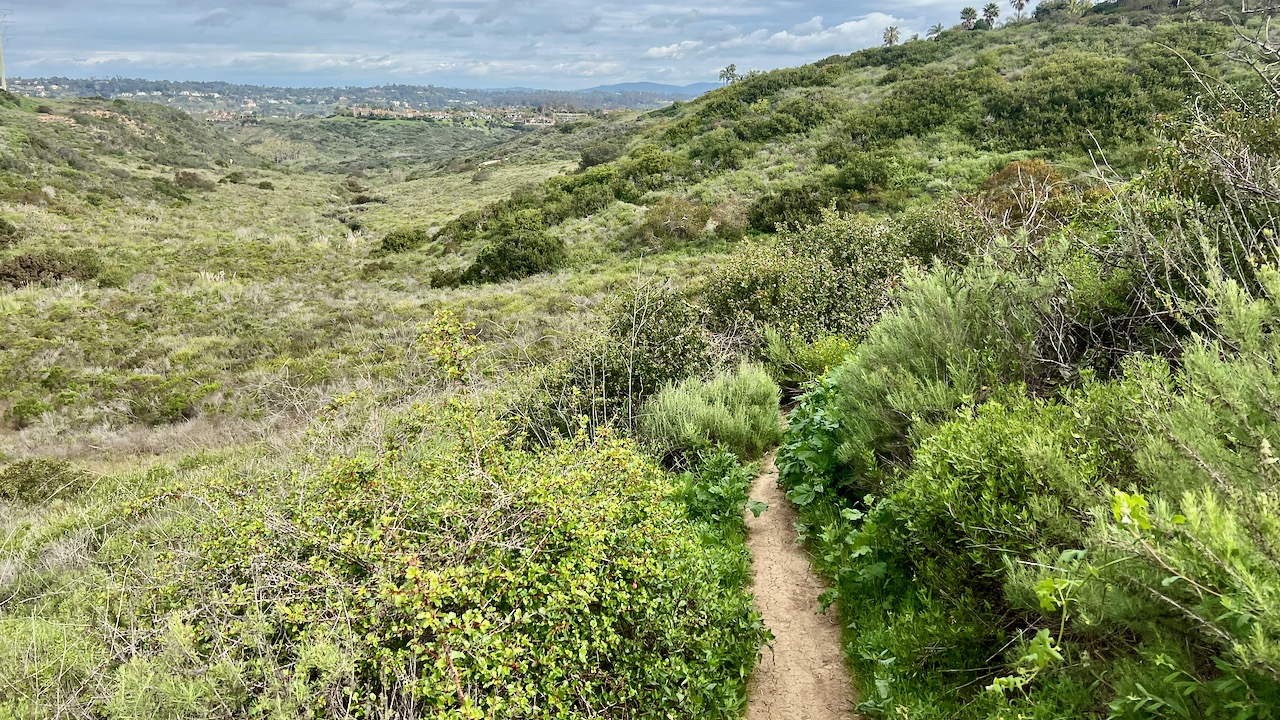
(678, 91)
(200, 97)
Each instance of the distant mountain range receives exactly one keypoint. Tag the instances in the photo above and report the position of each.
(200, 97)
(681, 91)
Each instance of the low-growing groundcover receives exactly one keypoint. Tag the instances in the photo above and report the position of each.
(438, 574)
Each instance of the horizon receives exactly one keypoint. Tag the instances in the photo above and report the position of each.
(189, 81)
(465, 44)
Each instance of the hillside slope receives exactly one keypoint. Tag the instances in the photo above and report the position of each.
(334, 435)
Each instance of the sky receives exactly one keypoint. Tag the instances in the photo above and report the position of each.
(558, 44)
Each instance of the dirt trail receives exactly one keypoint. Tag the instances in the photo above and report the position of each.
(804, 677)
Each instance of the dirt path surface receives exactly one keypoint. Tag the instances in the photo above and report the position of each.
(804, 677)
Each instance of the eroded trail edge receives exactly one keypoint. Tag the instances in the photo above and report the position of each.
(803, 676)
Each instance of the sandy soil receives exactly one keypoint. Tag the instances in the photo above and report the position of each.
(803, 675)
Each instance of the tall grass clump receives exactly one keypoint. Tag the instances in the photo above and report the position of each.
(736, 410)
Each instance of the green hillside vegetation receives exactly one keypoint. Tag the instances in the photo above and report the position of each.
(345, 418)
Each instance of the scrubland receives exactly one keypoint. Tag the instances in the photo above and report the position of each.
(458, 427)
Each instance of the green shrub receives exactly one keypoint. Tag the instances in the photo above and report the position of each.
(801, 204)
(40, 480)
(948, 231)
(718, 149)
(653, 337)
(521, 247)
(9, 234)
(49, 266)
(266, 185)
(792, 361)
(191, 180)
(952, 337)
(673, 220)
(464, 579)
(736, 410)
(1070, 99)
(157, 400)
(600, 153)
(403, 240)
(717, 492)
(831, 277)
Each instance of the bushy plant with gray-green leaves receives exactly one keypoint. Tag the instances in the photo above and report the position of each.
(736, 410)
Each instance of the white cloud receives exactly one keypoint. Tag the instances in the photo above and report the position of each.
(672, 52)
(447, 42)
(811, 38)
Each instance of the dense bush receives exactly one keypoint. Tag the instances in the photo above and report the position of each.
(800, 204)
(520, 247)
(600, 153)
(673, 221)
(455, 577)
(403, 240)
(831, 277)
(39, 481)
(9, 234)
(1015, 529)
(718, 149)
(717, 491)
(1073, 100)
(191, 180)
(792, 361)
(48, 266)
(736, 410)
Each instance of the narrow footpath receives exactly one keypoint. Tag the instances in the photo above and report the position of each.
(803, 675)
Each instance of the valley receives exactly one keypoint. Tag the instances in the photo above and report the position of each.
(935, 380)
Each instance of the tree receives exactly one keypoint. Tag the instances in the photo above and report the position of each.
(891, 35)
(1076, 8)
(990, 12)
(936, 30)
(730, 74)
(1018, 7)
(968, 18)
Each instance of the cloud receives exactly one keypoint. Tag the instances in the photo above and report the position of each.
(220, 17)
(672, 52)
(447, 21)
(811, 37)
(560, 44)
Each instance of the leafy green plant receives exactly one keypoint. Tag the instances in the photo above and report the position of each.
(831, 277)
(520, 247)
(736, 410)
(478, 581)
(403, 240)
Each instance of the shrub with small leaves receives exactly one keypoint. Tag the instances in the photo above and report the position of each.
(40, 480)
(403, 240)
(831, 277)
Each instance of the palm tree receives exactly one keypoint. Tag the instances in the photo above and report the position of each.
(729, 75)
(891, 35)
(935, 31)
(1018, 7)
(968, 18)
(990, 13)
